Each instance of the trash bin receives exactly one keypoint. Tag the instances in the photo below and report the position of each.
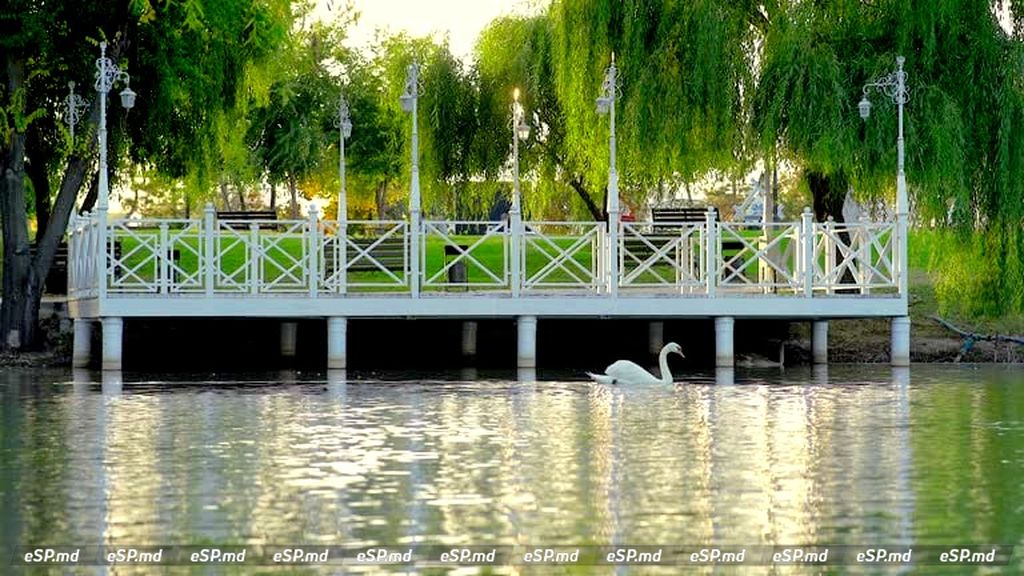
(457, 273)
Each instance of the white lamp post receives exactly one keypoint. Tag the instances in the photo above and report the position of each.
(894, 85)
(409, 103)
(344, 131)
(75, 105)
(606, 105)
(107, 75)
(520, 131)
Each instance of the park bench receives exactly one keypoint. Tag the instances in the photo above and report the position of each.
(390, 253)
(638, 248)
(241, 219)
(57, 278)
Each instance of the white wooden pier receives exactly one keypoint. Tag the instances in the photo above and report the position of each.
(318, 268)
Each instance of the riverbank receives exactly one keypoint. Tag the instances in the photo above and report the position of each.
(867, 340)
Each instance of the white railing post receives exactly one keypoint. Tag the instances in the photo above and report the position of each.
(313, 252)
(341, 255)
(209, 259)
(807, 231)
(255, 263)
(829, 245)
(517, 252)
(712, 249)
(163, 255)
(863, 235)
(101, 255)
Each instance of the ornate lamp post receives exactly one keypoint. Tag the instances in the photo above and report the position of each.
(409, 103)
(107, 75)
(894, 85)
(75, 105)
(520, 131)
(344, 132)
(606, 105)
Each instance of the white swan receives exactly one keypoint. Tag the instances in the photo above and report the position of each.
(626, 372)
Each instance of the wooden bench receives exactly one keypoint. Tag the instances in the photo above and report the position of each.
(241, 219)
(56, 281)
(390, 253)
(638, 248)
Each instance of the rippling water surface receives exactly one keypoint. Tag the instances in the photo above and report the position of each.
(855, 455)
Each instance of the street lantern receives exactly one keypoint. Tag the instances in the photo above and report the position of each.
(344, 132)
(606, 106)
(409, 102)
(520, 131)
(127, 96)
(107, 75)
(865, 107)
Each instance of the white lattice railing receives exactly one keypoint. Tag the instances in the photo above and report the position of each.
(663, 255)
(857, 256)
(363, 254)
(83, 247)
(561, 255)
(322, 258)
(759, 257)
(464, 253)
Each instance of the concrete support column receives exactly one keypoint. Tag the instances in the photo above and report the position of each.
(725, 376)
(656, 336)
(337, 342)
(289, 337)
(469, 339)
(723, 342)
(819, 341)
(900, 329)
(81, 347)
(527, 349)
(113, 340)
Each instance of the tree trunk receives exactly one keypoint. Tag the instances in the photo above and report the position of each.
(241, 197)
(273, 197)
(225, 199)
(577, 184)
(381, 198)
(829, 193)
(36, 171)
(22, 274)
(295, 198)
(89, 202)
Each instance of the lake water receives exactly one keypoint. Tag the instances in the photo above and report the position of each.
(858, 455)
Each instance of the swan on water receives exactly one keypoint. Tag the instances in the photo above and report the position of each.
(626, 372)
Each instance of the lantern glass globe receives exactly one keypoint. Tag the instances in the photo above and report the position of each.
(864, 107)
(127, 98)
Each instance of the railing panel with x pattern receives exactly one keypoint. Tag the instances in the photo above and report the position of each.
(323, 258)
(465, 254)
(374, 252)
(758, 257)
(662, 256)
(562, 255)
(855, 257)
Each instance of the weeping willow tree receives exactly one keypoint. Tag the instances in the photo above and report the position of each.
(685, 69)
(516, 53)
(964, 125)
